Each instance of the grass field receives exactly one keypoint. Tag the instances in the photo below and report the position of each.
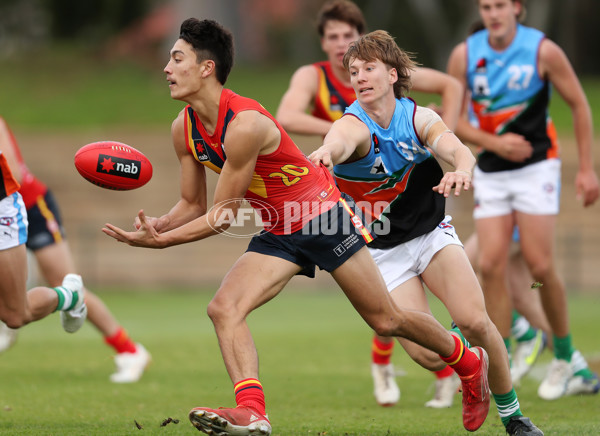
(314, 352)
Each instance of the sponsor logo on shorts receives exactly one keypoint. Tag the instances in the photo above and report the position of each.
(548, 188)
(346, 244)
(117, 166)
(7, 232)
(339, 250)
(7, 221)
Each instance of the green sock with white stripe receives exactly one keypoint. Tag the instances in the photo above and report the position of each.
(507, 405)
(66, 298)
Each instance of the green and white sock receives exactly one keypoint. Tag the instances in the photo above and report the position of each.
(66, 298)
(507, 405)
(580, 366)
(520, 329)
(456, 330)
(563, 347)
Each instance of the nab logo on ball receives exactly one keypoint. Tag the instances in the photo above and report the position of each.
(113, 165)
(118, 166)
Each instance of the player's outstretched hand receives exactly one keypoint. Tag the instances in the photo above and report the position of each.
(145, 235)
(322, 157)
(457, 180)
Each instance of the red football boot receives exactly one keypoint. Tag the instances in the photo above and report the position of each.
(239, 421)
(476, 393)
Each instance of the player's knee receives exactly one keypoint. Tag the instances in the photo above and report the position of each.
(476, 328)
(220, 309)
(491, 269)
(541, 269)
(215, 310)
(15, 319)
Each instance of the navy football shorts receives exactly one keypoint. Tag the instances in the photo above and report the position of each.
(45, 226)
(326, 241)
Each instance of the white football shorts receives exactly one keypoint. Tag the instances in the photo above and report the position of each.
(534, 190)
(409, 259)
(13, 222)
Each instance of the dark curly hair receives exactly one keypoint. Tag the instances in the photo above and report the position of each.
(211, 41)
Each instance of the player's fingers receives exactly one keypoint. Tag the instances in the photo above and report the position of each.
(467, 184)
(113, 232)
(458, 185)
(590, 197)
(444, 187)
(328, 162)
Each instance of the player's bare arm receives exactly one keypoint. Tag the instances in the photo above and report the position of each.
(297, 101)
(554, 64)
(348, 139)
(192, 203)
(449, 88)
(509, 146)
(249, 134)
(438, 137)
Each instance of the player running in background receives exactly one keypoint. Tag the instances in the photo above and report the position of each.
(318, 95)
(46, 239)
(18, 306)
(508, 70)
(529, 328)
(379, 154)
(256, 160)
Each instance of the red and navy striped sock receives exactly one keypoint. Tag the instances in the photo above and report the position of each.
(249, 392)
(462, 360)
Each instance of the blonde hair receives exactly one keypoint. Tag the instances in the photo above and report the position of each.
(380, 45)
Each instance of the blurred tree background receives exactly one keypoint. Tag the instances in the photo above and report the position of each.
(100, 62)
(275, 31)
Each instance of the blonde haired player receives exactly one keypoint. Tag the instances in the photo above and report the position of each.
(318, 95)
(379, 152)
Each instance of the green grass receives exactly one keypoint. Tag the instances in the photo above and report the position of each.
(314, 351)
(69, 89)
